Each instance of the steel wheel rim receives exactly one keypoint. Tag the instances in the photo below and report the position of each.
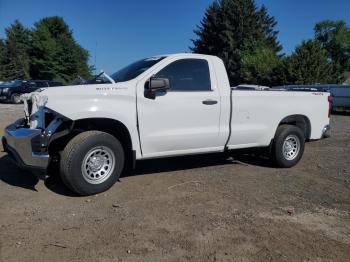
(98, 165)
(291, 147)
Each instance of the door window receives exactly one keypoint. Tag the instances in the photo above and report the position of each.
(187, 75)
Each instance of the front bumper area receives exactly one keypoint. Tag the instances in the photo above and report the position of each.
(21, 145)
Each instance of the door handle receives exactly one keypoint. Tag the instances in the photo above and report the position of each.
(209, 102)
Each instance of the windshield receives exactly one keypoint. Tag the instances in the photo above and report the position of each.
(134, 70)
(11, 83)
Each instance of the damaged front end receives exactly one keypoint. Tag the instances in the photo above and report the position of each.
(27, 140)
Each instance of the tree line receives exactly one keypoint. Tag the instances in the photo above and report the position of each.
(245, 37)
(48, 52)
(238, 31)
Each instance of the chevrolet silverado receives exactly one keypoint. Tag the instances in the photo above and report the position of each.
(157, 107)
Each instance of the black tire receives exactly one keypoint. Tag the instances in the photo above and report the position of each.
(296, 143)
(15, 99)
(75, 176)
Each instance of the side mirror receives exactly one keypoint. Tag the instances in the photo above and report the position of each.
(158, 84)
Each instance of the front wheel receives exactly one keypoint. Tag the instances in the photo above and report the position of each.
(288, 146)
(92, 162)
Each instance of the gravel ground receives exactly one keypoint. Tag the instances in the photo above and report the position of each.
(198, 208)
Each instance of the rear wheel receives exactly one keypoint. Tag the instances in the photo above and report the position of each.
(288, 146)
(92, 162)
(16, 99)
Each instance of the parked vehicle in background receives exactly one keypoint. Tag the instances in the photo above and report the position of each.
(11, 91)
(340, 93)
(341, 97)
(251, 87)
(159, 107)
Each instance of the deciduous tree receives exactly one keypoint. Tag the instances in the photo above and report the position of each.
(334, 37)
(309, 64)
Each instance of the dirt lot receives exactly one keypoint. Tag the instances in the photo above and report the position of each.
(201, 208)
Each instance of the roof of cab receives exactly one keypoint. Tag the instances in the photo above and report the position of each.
(182, 54)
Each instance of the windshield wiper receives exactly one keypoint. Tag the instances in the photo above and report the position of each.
(92, 81)
(95, 78)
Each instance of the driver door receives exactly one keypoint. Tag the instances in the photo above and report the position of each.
(186, 118)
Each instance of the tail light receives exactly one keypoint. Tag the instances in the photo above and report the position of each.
(330, 100)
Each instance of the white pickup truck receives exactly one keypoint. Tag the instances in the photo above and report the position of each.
(159, 107)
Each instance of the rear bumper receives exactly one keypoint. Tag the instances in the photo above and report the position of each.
(21, 145)
(326, 131)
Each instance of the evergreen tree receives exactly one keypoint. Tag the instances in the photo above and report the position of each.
(14, 55)
(55, 55)
(309, 65)
(2, 59)
(231, 29)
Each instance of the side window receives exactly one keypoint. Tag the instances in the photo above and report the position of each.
(187, 75)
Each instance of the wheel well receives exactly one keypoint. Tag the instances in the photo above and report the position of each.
(300, 121)
(111, 126)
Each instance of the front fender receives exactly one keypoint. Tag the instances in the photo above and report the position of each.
(126, 120)
(86, 102)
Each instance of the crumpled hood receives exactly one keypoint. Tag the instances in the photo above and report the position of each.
(81, 101)
(44, 95)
